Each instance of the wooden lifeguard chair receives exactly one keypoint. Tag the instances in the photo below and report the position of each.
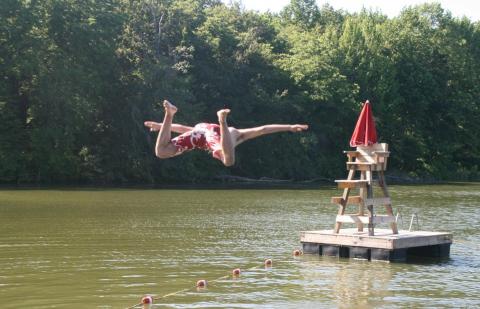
(367, 161)
(369, 157)
(366, 166)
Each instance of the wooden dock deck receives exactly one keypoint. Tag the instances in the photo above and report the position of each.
(384, 245)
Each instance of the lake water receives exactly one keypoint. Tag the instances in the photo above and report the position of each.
(90, 248)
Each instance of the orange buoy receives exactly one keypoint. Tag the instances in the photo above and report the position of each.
(201, 283)
(297, 252)
(147, 300)
(268, 262)
(236, 272)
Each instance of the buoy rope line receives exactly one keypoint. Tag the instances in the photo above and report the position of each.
(148, 300)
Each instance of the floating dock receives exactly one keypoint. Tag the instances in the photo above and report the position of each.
(383, 246)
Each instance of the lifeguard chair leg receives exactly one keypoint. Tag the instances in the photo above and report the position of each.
(371, 227)
(361, 206)
(388, 208)
(343, 204)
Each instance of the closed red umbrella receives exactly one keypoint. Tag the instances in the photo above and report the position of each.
(365, 133)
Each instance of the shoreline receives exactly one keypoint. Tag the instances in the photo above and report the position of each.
(232, 183)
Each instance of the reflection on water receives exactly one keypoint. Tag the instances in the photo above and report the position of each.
(108, 248)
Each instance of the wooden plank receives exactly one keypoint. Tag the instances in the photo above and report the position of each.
(342, 206)
(361, 163)
(378, 201)
(384, 238)
(344, 184)
(388, 207)
(371, 225)
(393, 225)
(361, 207)
(376, 154)
(382, 153)
(360, 240)
(355, 199)
(363, 166)
(351, 154)
(422, 238)
(371, 149)
(353, 218)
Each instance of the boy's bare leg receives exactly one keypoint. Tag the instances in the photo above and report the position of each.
(250, 133)
(164, 147)
(226, 140)
(175, 127)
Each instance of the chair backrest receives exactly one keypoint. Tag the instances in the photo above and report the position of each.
(376, 154)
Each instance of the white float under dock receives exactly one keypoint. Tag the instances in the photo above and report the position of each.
(384, 245)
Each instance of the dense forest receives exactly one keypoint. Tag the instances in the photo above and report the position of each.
(79, 78)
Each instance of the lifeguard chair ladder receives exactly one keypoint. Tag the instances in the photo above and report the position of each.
(366, 160)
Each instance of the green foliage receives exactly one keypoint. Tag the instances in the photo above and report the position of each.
(80, 77)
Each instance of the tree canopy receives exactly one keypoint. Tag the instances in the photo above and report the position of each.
(81, 77)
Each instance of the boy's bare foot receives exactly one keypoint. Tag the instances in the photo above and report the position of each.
(222, 115)
(298, 127)
(154, 126)
(170, 109)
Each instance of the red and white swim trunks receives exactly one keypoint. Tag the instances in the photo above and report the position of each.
(205, 136)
